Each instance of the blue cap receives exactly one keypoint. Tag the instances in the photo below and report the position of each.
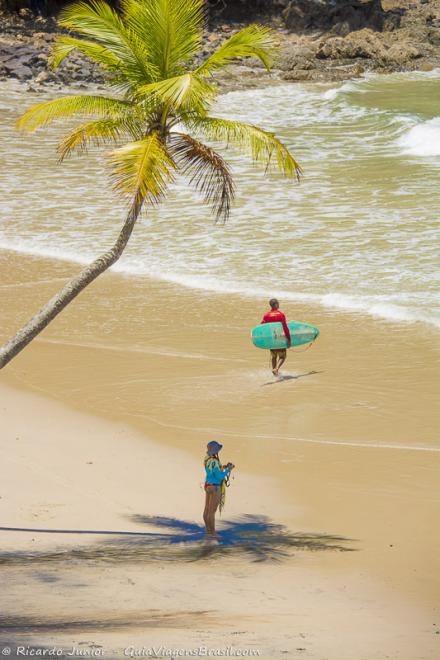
(213, 447)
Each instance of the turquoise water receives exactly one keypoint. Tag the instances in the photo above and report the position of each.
(360, 232)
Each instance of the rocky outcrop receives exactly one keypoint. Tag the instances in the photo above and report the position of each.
(244, 10)
(298, 56)
(409, 43)
(410, 39)
(403, 52)
(21, 61)
(339, 16)
(27, 58)
(363, 44)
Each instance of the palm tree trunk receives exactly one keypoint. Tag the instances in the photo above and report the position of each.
(56, 304)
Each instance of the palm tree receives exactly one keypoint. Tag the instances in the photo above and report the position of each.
(149, 54)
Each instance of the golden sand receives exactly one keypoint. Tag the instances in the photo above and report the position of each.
(346, 444)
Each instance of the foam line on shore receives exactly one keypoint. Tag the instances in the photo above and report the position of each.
(32, 283)
(139, 349)
(340, 301)
(220, 432)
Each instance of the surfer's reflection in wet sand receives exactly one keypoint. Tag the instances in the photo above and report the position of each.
(275, 315)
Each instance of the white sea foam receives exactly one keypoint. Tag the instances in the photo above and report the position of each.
(385, 310)
(422, 139)
(347, 87)
(359, 304)
(363, 84)
(358, 235)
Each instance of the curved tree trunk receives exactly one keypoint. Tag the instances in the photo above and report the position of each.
(60, 300)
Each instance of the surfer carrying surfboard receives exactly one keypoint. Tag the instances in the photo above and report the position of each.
(275, 315)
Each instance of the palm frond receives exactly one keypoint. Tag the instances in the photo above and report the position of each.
(207, 171)
(253, 41)
(142, 169)
(45, 113)
(173, 29)
(96, 19)
(64, 45)
(96, 133)
(187, 92)
(264, 147)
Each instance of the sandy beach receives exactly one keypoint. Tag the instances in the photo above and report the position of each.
(206, 191)
(330, 544)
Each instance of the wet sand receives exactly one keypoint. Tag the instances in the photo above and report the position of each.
(345, 445)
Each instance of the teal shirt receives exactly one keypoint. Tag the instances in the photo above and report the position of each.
(214, 473)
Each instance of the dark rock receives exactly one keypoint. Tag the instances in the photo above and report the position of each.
(297, 57)
(341, 16)
(434, 37)
(17, 70)
(356, 71)
(317, 75)
(244, 10)
(402, 52)
(336, 48)
(391, 21)
(363, 44)
(23, 55)
(298, 74)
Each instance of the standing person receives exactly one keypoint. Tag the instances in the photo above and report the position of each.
(215, 485)
(278, 355)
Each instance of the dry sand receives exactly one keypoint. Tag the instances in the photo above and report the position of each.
(104, 421)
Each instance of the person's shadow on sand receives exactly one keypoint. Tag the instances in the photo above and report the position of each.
(283, 378)
(252, 536)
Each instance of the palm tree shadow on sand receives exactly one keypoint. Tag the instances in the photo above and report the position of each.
(254, 537)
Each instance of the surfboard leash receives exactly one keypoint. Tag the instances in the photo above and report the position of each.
(304, 349)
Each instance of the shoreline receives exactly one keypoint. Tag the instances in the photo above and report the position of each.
(328, 544)
(181, 389)
(105, 403)
(193, 349)
(319, 301)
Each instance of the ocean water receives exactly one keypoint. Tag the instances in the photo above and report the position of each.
(360, 232)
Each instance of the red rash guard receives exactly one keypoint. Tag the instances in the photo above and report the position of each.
(274, 316)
